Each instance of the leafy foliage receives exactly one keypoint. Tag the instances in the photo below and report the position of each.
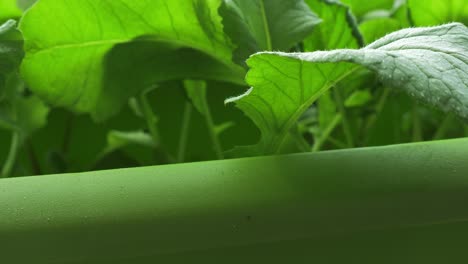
(260, 25)
(144, 82)
(431, 64)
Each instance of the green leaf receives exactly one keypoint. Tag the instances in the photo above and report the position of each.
(326, 109)
(358, 98)
(17, 112)
(431, 64)
(339, 28)
(67, 44)
(436, 12)
(9, 10)
(196, 91)
(361, 7)
(31, 114)
(11, 53)
(266, 25)
(119, 139)
(377, 24)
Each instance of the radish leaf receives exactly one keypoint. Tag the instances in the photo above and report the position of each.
(431, 64)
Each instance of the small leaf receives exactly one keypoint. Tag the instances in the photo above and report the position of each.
(31, 114)
(358, 98)
(431, 64)
(119, 139)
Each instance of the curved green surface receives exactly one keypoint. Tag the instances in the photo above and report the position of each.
(397, 204)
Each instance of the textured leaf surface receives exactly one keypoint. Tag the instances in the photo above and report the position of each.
(66, 43)
(431, 64)
(266, 25)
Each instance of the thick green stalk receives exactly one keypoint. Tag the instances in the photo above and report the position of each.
(336, 207)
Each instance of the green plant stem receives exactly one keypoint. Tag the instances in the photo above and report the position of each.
(35, 165)
(345, 122)
(212, 132)
(188, 109)
(378, 109)
(326, 133)
(12, 155)
(150, 117)
(337, 142)
(417, 126)
(444, 126)
(152, 124)
(67, 133)
(266, 27)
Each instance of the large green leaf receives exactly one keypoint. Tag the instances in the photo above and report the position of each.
(266, 25)
(431, 64)
(66, 44)
(435, 12)
(8, 10)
